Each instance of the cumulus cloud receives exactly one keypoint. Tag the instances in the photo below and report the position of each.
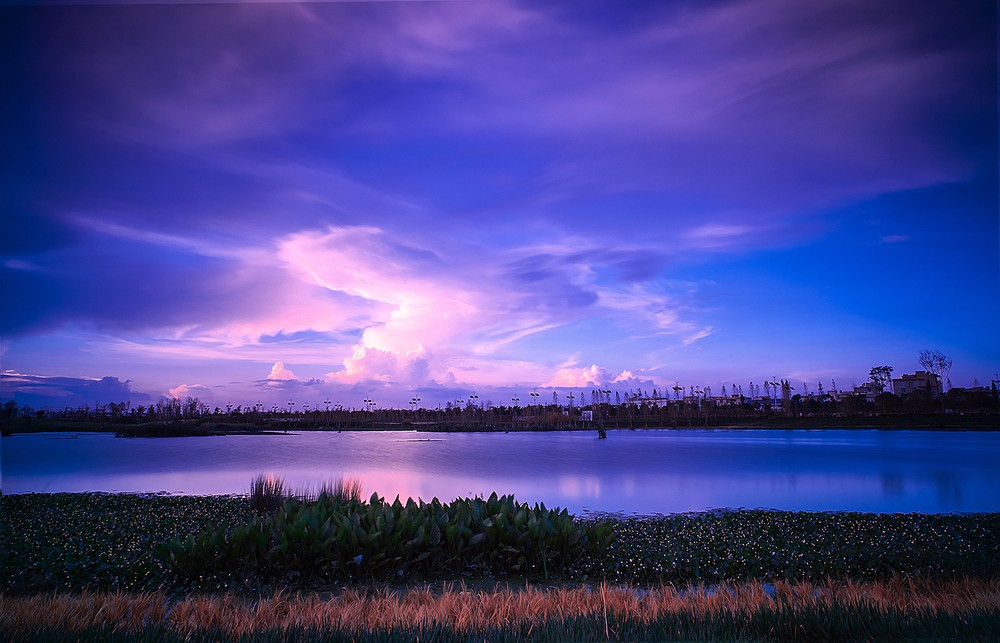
(279, 372)
(199, 391)
(592, 375)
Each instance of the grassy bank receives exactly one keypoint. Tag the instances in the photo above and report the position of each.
(897, 609)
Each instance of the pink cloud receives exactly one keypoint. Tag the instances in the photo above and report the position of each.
(191, 390)
(279, 372)
(592, 375)
(394, 312)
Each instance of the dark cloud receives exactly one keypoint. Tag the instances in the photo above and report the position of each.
(115, 284)
(61, 392)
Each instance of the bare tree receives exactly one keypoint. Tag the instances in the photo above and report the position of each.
(935, 362)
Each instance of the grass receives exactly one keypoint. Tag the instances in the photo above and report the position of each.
(748, 611)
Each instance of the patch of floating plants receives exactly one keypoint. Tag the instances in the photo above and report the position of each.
(74, 542)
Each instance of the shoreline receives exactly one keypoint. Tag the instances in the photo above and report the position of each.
(186, 428)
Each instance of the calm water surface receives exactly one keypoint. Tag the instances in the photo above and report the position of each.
(652, 471)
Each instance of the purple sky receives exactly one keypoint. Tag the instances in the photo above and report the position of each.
(309, 201)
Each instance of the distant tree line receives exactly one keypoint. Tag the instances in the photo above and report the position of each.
(637, 411)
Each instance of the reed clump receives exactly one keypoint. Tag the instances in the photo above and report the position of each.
(269, 492)
(347, 489)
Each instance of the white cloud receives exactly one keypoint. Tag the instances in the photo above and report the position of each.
(279, 372)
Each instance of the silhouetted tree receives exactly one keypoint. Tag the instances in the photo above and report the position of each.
(880, 376)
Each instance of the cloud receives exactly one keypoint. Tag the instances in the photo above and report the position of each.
(726, 236)
(44, 391)
(199, 391)
(592, 375)
(661, 311)
(431, 308)
(279, 372)
(449, 315)
(895, 238)
(367, 305)
(438, 194)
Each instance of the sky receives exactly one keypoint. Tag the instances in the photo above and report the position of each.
(341, 201)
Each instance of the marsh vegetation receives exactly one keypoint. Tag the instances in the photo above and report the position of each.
(76, 542)
(301, 565)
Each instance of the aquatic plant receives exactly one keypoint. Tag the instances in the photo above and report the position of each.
(72, 542)
(774, 545)
(338, 538)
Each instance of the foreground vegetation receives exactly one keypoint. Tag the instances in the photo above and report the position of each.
(337, 537)
(75, 542)
(897, 609)
(286, 566)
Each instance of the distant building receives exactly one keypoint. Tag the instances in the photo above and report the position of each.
(868, 390)
(919, 381)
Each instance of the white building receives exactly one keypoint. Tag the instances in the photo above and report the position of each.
(919, 381)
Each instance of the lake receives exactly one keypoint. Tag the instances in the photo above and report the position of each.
(644, 471)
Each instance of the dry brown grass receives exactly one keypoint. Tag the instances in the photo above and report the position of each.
(457, 607)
